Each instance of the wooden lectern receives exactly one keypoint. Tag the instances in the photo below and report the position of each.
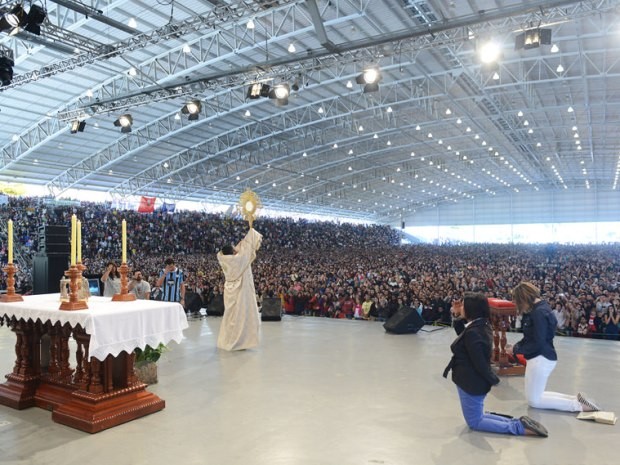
(501, 311)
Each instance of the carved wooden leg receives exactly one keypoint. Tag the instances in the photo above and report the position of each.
(496, 338)
(95, 377)
(66, 371)
(25, 367)
(54, 367)
(19, 390)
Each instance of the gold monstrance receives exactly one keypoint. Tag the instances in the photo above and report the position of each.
(249, 203)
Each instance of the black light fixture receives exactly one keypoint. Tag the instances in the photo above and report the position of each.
(6, 70)
(124, 122)
(258, 90)
(77, 126)
(34, 19)
(192, 108)
(280, 92)
(15, 17)
(533, 38)
(370, 79)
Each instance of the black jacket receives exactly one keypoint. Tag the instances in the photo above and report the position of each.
(538, 330)
(471, 359)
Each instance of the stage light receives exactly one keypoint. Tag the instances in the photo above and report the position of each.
(34, 19)
(77, 126)
(489, 52)
(280, 93)
(258, 90)
(533, 38)
(16, 16)
(124, 122)
(192, 108)
(370, 78)
(6, 70)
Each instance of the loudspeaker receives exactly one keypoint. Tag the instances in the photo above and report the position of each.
(193, 302)
(216, 306)
(47, 271)
(271, 310)
(54, 240)
(405, 320)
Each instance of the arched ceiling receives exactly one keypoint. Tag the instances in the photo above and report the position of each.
(442, 127)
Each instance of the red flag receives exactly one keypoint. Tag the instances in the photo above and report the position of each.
(147, 205)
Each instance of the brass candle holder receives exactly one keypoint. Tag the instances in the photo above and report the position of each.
(124, 295)
(74, 273)
(10, 295)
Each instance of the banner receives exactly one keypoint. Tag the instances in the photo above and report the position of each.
(167, 207)
(147, 205)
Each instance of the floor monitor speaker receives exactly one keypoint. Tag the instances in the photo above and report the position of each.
(271, 309)
(216, 306)
(405, 320)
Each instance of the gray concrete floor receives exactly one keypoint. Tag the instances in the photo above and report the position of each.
(324, 392)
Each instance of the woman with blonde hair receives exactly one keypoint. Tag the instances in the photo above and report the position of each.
(539, 325)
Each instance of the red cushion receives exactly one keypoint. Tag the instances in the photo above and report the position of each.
(500, 303)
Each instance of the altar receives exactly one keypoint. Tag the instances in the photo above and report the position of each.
(93, 388)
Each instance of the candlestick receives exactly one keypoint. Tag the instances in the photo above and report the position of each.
(79, 241)
(73, 238)
(124, 238)
(10, 245)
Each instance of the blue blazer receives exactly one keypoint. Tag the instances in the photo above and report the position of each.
(538, 330)
(471, 359)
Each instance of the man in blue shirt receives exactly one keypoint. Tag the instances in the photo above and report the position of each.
(172, 283)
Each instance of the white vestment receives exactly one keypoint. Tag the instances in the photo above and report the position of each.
(240, 324)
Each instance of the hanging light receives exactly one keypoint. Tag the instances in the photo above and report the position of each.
(370, 79)
(124, 122)
(77, 126)
(192, 108)
(280, 93)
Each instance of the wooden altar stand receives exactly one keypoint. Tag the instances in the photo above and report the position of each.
(99, 391)
(501, 311)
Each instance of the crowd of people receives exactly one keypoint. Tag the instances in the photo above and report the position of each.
(338, 270)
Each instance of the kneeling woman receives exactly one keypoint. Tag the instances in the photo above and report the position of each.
(472, 372)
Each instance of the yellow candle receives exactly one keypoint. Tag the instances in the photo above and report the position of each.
(124, 237)
(10, 246)
(79, 241)
(73, 238)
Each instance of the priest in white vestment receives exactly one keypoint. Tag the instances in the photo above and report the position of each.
(241, 323)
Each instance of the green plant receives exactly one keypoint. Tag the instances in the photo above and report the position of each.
(150, 354)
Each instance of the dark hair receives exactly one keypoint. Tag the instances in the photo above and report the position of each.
(169, 261)
(476, 305)
(228, 250)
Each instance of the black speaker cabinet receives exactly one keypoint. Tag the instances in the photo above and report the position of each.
(405, 320)
(216, 306)
(54, 240)
(193, 302)
(47, 271)
(271, 310)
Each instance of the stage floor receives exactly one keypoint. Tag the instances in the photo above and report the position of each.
(324, 392)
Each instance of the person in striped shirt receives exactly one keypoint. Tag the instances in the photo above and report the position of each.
(172, 283)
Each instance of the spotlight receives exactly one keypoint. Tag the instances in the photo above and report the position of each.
(124, 122)
(258, 90)
(15, 17)
(192, 108)
(533, 38)
(77, 126)
(489, 52)
(280, 93)
(370, 78)
(6, 70)
(34, 19)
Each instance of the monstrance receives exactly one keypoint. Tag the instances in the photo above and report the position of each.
(249, 203)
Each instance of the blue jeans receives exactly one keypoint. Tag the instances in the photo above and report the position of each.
(473, 411)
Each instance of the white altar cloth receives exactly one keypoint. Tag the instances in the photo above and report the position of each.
(113, 326)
